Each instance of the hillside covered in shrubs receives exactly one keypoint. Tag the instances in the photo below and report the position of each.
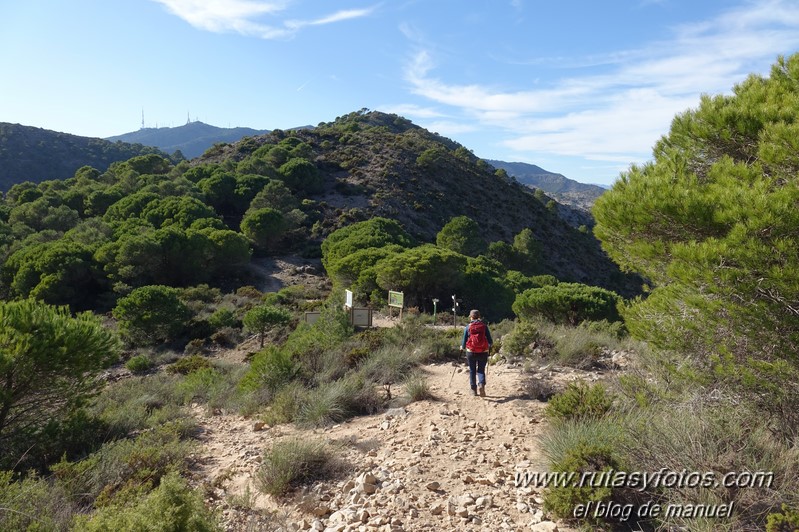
(35, 154)
(125, 291)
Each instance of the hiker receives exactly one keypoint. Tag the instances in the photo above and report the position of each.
(477, 342)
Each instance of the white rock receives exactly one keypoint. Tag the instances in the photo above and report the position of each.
(545, 526)
(465, 500)
(484, 502)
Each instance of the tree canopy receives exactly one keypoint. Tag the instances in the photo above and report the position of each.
(712, 223)
(48, 361)
(462, 235)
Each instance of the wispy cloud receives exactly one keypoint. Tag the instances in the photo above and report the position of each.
(617, 115)
(246, 16)
(413, 110)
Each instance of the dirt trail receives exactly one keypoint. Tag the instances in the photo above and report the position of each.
(471, 446)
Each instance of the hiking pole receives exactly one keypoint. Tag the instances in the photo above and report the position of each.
(454, 370)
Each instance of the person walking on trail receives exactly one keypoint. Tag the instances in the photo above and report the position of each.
(477, 342)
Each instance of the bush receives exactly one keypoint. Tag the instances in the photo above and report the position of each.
(189, 364)
(417, 388)
(585, 457)
(270, 370)
(387, 365)
(138, 364)
(293, 462)
(222, 318)
(33, 504)
(172, 506)
(151, 314)
(569, 303)
(139, 403)
(579, 401)
(124, 469)
(707, 432)
(785, 521)
(336, 401)
(201, 385)
(521, 340)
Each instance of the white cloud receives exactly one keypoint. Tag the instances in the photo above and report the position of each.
(413, 111)
(244, 16)
(448, 127)
(329, 19)
(619, 114)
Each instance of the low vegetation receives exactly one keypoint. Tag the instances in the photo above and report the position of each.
(149, 263)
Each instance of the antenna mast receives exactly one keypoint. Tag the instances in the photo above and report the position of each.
(142, 117)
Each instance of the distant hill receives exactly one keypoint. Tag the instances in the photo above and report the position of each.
(560, 187)
(192, 139)
(35, 154)
(377, 164)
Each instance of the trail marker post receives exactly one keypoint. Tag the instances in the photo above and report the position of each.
(396, 299)
(455, 304)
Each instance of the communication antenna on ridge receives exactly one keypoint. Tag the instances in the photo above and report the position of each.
(188, 118)
(142, 117)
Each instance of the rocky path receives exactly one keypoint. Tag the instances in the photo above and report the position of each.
(445, 464)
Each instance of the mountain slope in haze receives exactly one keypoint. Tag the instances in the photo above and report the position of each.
(376, 164)
(560, 187)
(35, 154)
(191, 139)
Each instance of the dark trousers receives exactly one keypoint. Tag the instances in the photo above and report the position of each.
(477, 368)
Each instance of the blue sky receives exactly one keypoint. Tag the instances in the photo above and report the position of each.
(583, 88)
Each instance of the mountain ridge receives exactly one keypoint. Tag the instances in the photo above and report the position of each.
(191, 139)
(566, 191)
(29, 153)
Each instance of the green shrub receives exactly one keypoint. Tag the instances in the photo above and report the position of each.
(336, 401)
(608, 431)
(138, 364)
(270, 370)
(719, 435)
(139, 403)
(189, 364)
(324, 405)
(286, 403)
(293, 462)
(569, 303)
(151, 314)
(417, 388)
(579, 401)
(223, 317)
(202, 385)
(614, 329)
(585, 457)
(785, 521)
(387, 365)
(33, 504)
(124, 469)
(520, 340)
(171, 507)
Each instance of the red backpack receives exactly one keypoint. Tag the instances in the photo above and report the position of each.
(477, 341)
